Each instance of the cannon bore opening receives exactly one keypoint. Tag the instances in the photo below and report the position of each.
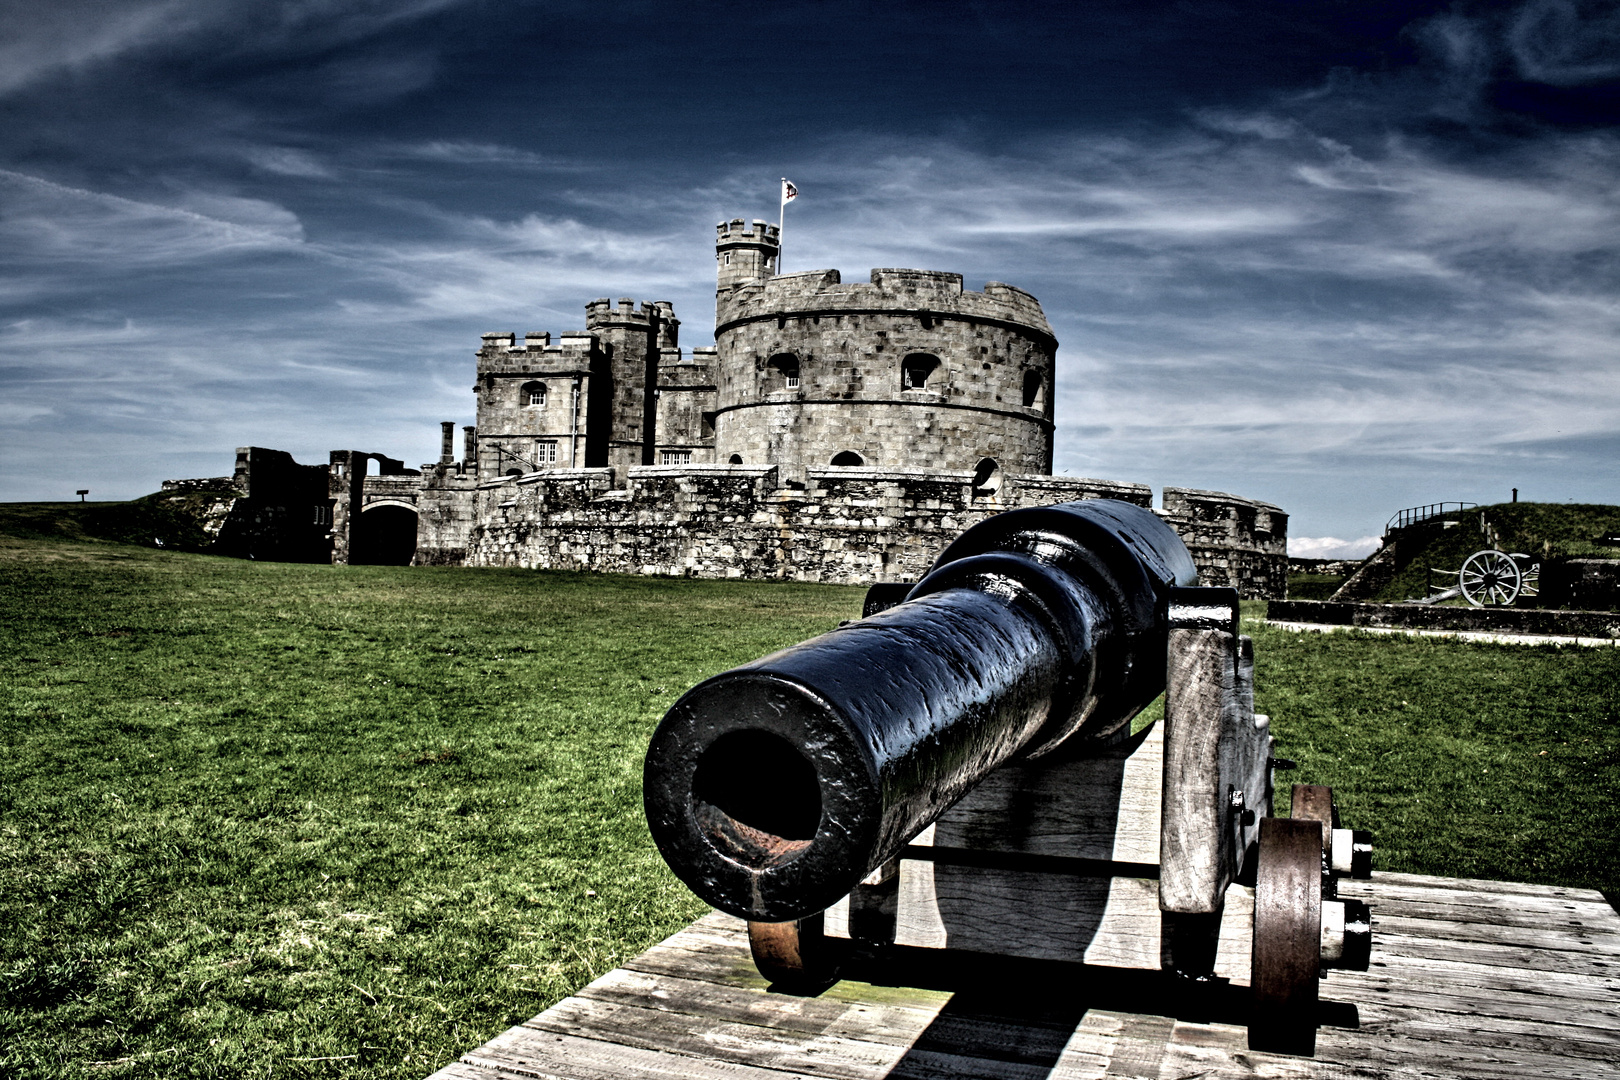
(756, 798)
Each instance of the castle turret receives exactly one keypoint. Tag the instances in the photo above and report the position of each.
(908, 370)
(745, 254)
(635, 341)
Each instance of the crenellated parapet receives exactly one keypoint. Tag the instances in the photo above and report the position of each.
(928, 295)
(658, 318)
(745, 252)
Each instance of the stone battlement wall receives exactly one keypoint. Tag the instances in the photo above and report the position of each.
(934, 293)
(847, 526)
(600, 314)
(737, 229)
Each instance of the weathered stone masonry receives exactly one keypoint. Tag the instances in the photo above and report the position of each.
(847, 525)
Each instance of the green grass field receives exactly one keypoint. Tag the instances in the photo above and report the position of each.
(280, 820)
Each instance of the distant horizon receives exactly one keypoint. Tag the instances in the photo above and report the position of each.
(1345, 258)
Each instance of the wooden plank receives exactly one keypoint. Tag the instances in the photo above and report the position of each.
(1580, 973)
(1510, 915)
(1213, 749)
(886, 1023)
(461, 1070)
(1105, 807)
(1379, 1018)
(950, 1046)
(1221, 1052)
(1485, 906)
(524, 1052)
(1540, 938)
(1480, 887)
(1576, 990)
(1479, 1006)
(1110, 922)
(822, 1053)
(1478, 1060)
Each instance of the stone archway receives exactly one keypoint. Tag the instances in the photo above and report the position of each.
(386, 535)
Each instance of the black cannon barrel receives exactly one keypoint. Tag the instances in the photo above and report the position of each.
(773, 788)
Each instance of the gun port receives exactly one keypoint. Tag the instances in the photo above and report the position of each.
(756, 798)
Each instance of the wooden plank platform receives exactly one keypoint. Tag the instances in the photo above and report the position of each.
(1472, 979)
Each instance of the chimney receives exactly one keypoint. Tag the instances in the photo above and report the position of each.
(447, 442)
(469, 445)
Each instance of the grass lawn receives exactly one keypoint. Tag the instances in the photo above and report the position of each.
(279, 820)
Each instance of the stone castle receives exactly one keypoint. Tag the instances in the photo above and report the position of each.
(834, 432)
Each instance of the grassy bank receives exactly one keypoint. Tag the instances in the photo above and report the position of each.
(267, 819)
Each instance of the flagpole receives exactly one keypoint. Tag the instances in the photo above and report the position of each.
(781, 222)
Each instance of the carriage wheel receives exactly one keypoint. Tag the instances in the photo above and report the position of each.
(1286, 959)
(794, 955)
(1490, 578)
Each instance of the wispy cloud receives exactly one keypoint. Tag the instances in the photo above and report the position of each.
(43, 220)
(1331, 547)
(72, 35)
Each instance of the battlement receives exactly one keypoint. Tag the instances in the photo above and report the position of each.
(901, 280)
(502, 355)
(499, 344)
(936, 293)
(736, 231)
(603, 312)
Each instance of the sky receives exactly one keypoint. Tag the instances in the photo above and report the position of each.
(1342, 257)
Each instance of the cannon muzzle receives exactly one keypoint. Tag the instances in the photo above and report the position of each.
(774, 788)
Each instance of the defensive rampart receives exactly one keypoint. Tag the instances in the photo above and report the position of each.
(846, 526)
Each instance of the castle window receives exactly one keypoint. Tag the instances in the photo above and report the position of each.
(915, 370)
(736, 459)
(545, 452)
(533, 393)
(323, 514)
(986, 478)
(675, 457)
(848, 459)
(786, 366)
(1032, 388)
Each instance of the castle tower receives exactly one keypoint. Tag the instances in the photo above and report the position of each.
(745, 254)
(634, 342)
(905, 371)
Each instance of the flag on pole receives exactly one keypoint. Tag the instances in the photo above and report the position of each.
(789, 192)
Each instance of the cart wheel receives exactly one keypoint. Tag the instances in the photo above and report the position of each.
(1490, 578)
(1286, 960)
(795, 955)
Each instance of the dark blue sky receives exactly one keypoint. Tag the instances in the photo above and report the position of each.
(1347, 257)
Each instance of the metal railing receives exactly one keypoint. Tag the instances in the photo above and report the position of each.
(1414, 515)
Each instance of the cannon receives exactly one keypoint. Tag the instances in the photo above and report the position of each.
(798, 783)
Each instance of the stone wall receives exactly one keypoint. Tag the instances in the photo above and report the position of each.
(278, 515)
(445, 507)
(847, 526)
(1234, 541)
(1585, 584)
(224, 485)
